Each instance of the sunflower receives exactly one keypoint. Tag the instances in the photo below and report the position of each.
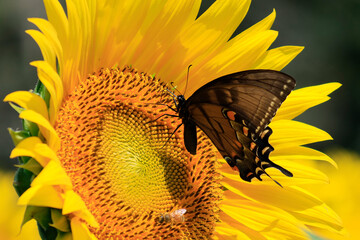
(12, 214)
(99, 162)
(342, 192)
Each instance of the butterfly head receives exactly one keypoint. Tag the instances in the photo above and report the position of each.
(180, 105)
(180, 99)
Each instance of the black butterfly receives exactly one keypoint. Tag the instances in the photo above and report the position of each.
(234, 112)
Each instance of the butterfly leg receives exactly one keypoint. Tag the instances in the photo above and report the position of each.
(174, 99)
(170, 115)
(172, 134)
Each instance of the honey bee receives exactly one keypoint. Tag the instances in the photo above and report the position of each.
(176, 216)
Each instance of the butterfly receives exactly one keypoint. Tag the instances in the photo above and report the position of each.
(234, 112)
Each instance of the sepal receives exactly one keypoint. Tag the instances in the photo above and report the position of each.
(32, 165)
(59, 221)
(22, 180)
(18, 136)
(41, 90)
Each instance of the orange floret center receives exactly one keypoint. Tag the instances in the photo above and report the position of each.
(126, 166)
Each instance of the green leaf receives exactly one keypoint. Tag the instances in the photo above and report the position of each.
(40, 214)
(48, 234)
(22, 180)
(60, 221)
(43, 217)
(38, 86)
(31, 127)
(64, 236)
(41, 90)
(32, 165)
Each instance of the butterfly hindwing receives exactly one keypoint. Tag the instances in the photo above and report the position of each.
(231, 138)
(234, 111)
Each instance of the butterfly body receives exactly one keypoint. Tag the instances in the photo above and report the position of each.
(234, 112)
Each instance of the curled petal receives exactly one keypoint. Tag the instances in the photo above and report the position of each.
(33, 147)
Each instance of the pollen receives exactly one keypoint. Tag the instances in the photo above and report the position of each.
(129, 166)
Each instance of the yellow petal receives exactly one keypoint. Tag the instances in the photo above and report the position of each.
(43, 196)
(29, 231)
(33, 147)
(57, 18)
(288, 133)
(45, 127)
(214, 27)
(320, 216)
(269, 222)
(243, 51)
(52, 174)
(343, 234)
(200, 40)
(302, 174)
(302, 99)
(80, 231)
(288, 198)
(74, 204)
(225, 231)
(50, 33)
(153, 45)
(80, 35)
(50, 78)
(45, 47)
(261, 26)
(299, 202)
(277, 58)
(28, 100)
(108, 51)
(238, 49)
(301, 153)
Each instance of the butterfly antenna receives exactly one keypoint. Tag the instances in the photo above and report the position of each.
(187, 78)
(174, 87)
(171, 92)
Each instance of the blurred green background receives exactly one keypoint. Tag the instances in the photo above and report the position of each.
(329, 30)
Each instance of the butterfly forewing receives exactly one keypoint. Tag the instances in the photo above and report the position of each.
(234, 111)
(254, 95)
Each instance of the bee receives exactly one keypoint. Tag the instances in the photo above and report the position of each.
(176, 216)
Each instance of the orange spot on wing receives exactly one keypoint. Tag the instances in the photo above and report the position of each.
(252, 145)
(235, 168)
(238, 144)
(245, 131)
(231, 115)
(249, 174)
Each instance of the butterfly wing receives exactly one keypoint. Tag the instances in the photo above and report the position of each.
(234, 111)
